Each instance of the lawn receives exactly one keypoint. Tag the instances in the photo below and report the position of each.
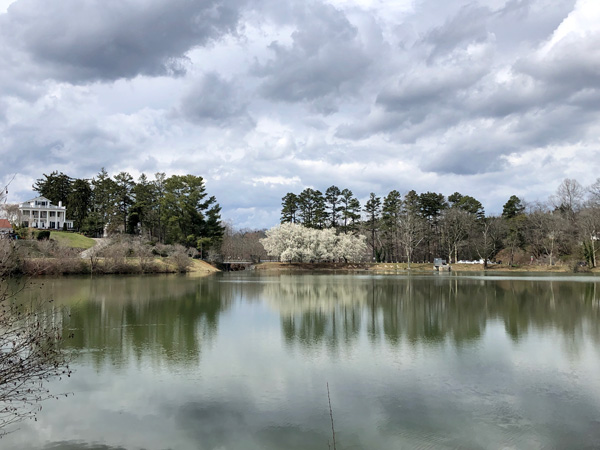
(73, 240)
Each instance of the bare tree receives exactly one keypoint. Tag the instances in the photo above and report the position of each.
(12, 213)
(491, 233)
(589, 231)
(455, 227)
(568, 197)
(30, 355)
(411, 232)
(594, 193)
(30, 348)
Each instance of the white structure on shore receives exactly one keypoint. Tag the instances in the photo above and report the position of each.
(41, 213)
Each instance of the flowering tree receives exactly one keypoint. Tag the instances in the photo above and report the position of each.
(292, 242)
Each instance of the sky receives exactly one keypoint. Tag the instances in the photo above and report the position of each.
(488, 98)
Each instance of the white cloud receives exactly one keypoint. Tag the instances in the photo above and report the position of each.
(489, 98)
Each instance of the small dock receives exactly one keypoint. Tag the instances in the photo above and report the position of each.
(440, 265)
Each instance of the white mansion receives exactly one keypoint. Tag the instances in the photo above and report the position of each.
(41, 213)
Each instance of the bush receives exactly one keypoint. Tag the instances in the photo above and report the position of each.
(180, 259)
(43, 235)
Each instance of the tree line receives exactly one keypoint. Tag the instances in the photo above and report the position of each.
(170, 210)
(421, 227)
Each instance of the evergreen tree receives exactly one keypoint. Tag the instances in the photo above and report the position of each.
(124, 197)
(80, 202)
(350, 209)
(431, 206)
(513, 207)
(103, 188)
(186, 213)
(141, 212)
(159, 190)
(289, 208)
(56, 187)
(320, 214)
(390, 217)
(332, 205)
(468, 204)
(311, 206)
(373, 210)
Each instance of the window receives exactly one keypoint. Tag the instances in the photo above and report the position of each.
(52, 214)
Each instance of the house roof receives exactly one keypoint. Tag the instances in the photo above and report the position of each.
(5, 224)
(41, 197)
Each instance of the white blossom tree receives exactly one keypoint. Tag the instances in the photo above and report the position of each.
(292, 242)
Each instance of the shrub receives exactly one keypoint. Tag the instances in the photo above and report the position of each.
(180, 259)
(43, 235)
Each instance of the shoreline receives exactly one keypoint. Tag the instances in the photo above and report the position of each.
(414, 268)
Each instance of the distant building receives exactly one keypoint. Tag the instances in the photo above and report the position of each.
(41, 213)
(5, 227)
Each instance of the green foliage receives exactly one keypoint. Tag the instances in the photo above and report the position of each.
(311, 205)
(80, 202)
(42, 235)
(56, 187)
(588, 253)
(431, 205)
(350, 211)
(513, 207)
(332, 205)
(289, 208)
(390, 219)
(103, 203)
(22, 232)
(123, 196)
(468, 204)
(186, 212)
(373, 210)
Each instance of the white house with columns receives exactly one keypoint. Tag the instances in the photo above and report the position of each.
(41, 213)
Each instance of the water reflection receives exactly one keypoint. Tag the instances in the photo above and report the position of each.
(116, 319)
(430, 310)
(242, 361)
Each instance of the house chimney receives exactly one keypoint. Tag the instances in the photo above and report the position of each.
(60, 204)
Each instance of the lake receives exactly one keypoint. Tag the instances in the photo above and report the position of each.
(244, 361)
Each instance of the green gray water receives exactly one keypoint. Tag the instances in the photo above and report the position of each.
(242, 362)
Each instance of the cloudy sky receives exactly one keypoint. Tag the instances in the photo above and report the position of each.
(262, 97)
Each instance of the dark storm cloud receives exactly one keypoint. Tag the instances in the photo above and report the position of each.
(573, 64)
(79, 150)
(325, 59)
(78, 41)
(467, 159)
(214, 100)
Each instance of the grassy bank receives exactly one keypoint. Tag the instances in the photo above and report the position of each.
(72, 240)
(70, 254)
(111, 266)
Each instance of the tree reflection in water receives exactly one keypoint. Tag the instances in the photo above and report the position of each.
(119, 318)
(333, 309)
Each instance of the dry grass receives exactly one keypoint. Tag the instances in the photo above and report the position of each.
(200, 268)
(414, 267)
